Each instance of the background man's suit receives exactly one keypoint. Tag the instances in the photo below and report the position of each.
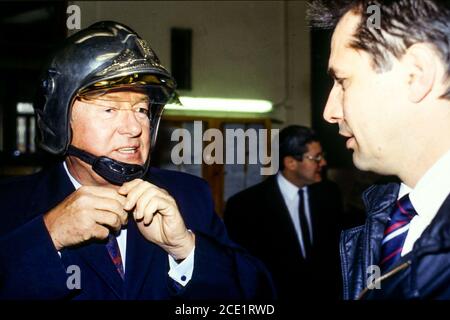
(258, 219)
(30, 266)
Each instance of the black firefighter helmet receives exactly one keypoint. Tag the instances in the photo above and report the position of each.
(104, 56)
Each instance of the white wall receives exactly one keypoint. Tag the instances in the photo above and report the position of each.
(298, 107)
(241, 49)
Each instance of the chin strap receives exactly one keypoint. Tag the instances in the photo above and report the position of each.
(114, 171)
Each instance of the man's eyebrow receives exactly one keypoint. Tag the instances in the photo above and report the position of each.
(337, 74)
(146, 98)
(143, 98)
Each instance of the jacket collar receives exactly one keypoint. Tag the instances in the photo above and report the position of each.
(436, 237)
(378, 198)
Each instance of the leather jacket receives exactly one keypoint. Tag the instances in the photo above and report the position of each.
(423, 273)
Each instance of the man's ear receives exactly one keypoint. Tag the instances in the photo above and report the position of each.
(420, 63)
(289, 163)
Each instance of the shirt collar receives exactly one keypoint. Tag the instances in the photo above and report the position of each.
(75, 183)
(288, 189)
(432, 189)
(404, 190)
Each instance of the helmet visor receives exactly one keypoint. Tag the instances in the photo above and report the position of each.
(160, 90)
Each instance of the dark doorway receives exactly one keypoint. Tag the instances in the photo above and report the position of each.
(29, 31)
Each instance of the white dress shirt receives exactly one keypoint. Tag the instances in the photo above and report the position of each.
(427, 197)
(180, 272)
(291, 198)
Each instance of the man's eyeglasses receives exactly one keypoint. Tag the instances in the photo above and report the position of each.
(317, 158)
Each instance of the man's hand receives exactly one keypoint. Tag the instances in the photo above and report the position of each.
(158, 218)
(87, 213)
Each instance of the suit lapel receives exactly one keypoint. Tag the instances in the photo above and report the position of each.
(96, 255)
(140, 253)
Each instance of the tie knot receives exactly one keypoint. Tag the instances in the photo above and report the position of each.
(404, 209)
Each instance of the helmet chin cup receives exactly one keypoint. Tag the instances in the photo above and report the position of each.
(113, 171)
(117, 172)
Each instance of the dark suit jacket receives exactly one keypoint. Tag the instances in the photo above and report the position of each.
(30, 267)
(258, 219)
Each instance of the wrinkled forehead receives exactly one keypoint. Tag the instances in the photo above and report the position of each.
(121, 95)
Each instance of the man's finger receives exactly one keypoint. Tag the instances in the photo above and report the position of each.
(106, 193)
(160, 205)
(112, 205)
(149, 213)
(144, 200)
(107, 218)
(100, 232)
(135, 193)
(127, 186)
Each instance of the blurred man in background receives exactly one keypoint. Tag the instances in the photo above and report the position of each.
(290, 221)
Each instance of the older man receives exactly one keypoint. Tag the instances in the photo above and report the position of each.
(102, 224)
(391, 99)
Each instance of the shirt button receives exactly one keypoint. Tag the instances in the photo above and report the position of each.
(183, 278)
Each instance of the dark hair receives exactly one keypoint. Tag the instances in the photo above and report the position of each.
(402, 24)
(293, 141)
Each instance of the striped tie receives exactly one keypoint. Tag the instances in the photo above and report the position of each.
(114, 253)
(395, 232)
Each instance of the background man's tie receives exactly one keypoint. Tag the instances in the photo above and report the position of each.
(395, 232)
(114, 253)
(306, 236)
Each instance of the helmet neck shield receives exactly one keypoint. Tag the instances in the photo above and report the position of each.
(115, 172)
